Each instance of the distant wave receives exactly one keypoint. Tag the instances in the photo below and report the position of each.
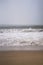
(20, 30)
(32, 30)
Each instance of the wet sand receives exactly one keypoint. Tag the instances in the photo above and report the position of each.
(21, 57)
(22, 47)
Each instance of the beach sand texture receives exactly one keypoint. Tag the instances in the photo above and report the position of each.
(21, 57)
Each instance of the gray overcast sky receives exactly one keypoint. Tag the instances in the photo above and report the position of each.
(21, 12)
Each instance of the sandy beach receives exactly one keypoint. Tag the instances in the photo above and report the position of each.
(21, 57)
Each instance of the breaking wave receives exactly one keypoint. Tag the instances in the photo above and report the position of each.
(16, 37)
(20, 30)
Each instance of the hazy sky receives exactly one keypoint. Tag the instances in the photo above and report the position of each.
(21, 12)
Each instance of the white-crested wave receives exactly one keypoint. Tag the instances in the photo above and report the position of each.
(20, 30)
(16, 37)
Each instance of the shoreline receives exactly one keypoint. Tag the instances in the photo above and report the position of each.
(21, 48)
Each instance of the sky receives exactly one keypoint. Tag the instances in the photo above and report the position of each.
(21, 12)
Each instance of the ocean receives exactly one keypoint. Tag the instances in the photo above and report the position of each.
(21, 37)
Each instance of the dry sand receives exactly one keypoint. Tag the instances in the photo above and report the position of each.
(21, 57)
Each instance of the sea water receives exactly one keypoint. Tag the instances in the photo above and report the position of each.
(21, 37)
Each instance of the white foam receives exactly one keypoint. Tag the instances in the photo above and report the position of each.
(17, 37)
